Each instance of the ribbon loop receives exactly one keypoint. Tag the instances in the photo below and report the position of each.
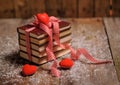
(54, 19)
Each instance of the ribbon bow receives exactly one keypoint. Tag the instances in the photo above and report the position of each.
(51, 27)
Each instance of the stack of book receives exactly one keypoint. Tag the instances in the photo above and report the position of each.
(39, 41)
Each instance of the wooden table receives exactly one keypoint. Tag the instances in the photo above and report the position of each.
(99, 36)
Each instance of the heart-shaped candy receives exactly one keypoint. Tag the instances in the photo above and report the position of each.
(43, 18)
(28, 69)
(66, 63)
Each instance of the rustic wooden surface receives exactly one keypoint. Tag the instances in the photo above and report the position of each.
(116, 7)
(91, 34)
(102, 8)
(60, 8)
(112, 27)
(7, 10)
(85, 8)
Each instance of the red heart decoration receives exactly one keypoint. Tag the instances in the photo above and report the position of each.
(66, 63)
(43, 18)
(29, 69)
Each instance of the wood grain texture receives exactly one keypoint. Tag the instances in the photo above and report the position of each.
(6, 9)
(85, 8)
(52, 7)
(116, 7)
(90, 34)
(22, 8)
(59, 8)
(36, 6)
(113, 31)
(101, 8)
(69, 8)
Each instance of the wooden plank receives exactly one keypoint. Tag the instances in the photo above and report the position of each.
(6, 9)
(69, 8)
(116, 8)
(36, 6)
(90, 34)
(22, 9)
(85, 8)
(113, 31)
(52, 7)
(10, 62)
(101, 8)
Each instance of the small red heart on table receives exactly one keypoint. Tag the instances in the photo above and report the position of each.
(29, 69)
(66, 63)
(43, 18)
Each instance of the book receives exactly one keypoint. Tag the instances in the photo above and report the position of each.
(39, 41)
(45, 39)
(43, 60)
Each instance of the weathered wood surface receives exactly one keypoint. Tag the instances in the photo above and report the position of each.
(7, 9)
(113, 31)
(60, 8)
(85, 8)
(87, 33)
(90, 34)
(69, 8)
(102, 8)
(54, 7)
(116, 7)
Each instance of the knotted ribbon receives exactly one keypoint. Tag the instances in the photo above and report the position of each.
(52, 30)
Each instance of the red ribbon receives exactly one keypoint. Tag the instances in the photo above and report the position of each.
(27, 32)
(53, 27)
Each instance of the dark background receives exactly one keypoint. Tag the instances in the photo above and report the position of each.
(60, 8)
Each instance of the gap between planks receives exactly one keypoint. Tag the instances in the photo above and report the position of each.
(113, 32)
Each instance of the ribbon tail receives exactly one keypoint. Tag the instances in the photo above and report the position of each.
(74, 55)
(49, 50)
(50, 54)
(54, 70)
(92, 59)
